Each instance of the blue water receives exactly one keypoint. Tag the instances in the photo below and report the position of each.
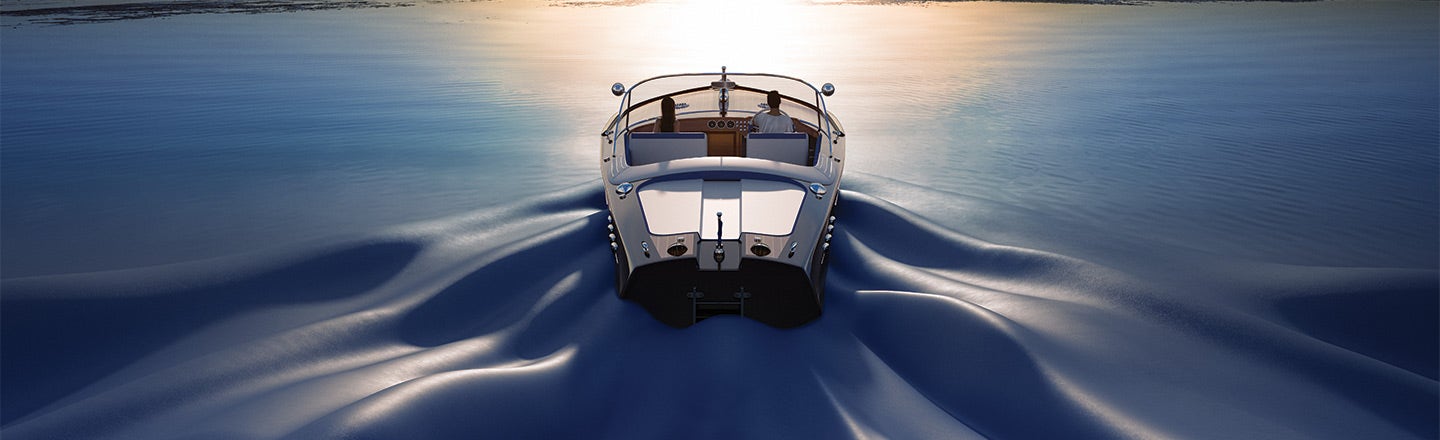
(124, 145)
(1204, 220)
(1291, 133)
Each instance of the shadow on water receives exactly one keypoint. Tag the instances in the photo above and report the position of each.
(926, 330)
(958, 354)
(59, 343)
(968, 369)
(942, 248)
(506, 290)
(1397, 326)
(1394, 324)
(1392, 320)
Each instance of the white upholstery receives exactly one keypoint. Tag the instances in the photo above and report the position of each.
(648, 148)
(672, 206)
(793, 148)
(760, 206)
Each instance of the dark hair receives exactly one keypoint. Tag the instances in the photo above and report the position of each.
(667, 114)
(773, 99)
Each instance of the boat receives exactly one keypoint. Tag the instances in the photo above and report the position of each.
(716, 217)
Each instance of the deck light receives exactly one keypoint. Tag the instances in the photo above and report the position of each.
(623, 189)
(818, 189)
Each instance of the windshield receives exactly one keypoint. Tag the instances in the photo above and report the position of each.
(694, 96)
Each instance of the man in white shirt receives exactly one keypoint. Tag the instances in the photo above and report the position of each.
(772, 121)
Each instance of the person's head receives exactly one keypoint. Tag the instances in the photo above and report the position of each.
(667, 114)
(773, 99)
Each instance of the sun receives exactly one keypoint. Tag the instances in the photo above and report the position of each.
(745, 34)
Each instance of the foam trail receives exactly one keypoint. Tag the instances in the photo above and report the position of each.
(505, 323)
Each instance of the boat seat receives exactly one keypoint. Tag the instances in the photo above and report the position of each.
(793, 148)
(647, 148)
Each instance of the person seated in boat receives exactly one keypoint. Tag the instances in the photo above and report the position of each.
(772, 120)
(666, 123)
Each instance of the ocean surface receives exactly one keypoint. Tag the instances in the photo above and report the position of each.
(1171, 220)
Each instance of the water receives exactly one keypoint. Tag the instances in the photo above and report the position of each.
(138, 150)
(1277, 132)
(1051, 212)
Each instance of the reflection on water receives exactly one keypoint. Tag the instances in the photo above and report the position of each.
(1293, 133)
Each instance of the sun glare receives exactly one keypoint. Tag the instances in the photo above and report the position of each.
(740, 33)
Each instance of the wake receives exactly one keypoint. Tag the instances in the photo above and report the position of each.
(505, 323)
